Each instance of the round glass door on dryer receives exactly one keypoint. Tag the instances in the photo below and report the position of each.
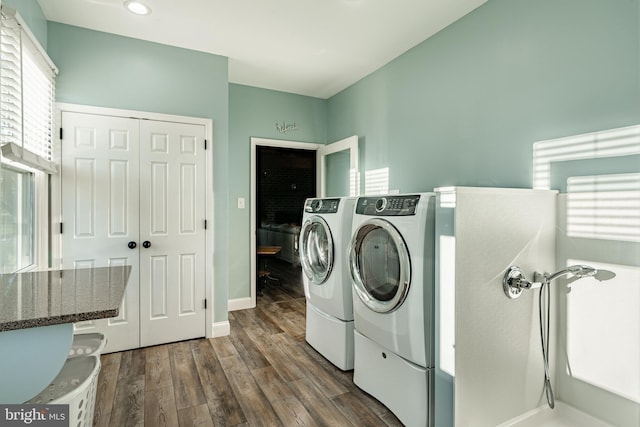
(380, 265)
(316, 250)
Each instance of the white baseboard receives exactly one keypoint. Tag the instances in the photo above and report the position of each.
(240, 304)
(221, 329)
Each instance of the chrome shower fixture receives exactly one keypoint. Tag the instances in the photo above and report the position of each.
(579, 271)
(514, 280)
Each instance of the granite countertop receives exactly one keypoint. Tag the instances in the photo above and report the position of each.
(42, 298)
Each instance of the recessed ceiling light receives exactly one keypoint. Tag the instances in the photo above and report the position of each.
(137, 7)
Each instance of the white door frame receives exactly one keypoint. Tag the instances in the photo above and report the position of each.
(250, 302)
(321, 150)
(56, 202)
(351, 144)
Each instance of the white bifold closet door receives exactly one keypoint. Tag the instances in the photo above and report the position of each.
(133, 193)
(172, 214)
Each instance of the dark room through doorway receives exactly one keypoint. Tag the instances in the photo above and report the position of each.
(285, 178)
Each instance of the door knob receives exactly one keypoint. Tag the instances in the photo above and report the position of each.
(146, 244)
(132, 245)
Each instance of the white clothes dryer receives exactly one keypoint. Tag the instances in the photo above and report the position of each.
(324, 239)
(391, 259)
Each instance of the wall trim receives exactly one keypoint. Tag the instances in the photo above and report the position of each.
(221, 329)
(240, 304)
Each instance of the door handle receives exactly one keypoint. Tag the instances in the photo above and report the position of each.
(132, 244)
(146, 244)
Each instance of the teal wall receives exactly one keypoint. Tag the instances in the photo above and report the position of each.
(465, 106)
(254, 112)
(106, 70)
(337, 167)
(461, 108)
(33, 16)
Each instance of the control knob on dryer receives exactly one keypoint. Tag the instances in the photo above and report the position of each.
(381, 203)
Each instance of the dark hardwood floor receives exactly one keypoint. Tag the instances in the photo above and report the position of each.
(263, 374)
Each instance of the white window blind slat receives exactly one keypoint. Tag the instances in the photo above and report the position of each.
(27, 93)
(11, 78)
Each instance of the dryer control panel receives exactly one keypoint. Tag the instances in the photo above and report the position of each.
(321, 206)
(388, 205)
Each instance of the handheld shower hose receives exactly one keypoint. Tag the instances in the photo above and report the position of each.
(544, 338)
(544, 309)
(514, 282)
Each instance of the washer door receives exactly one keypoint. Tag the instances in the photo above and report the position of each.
(316, 250)
(380, 265)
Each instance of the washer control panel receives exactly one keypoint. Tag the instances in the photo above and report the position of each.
(321, 206)
(388, 205)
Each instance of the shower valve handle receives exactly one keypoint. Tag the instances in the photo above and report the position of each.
(525, 284)
(514, 282)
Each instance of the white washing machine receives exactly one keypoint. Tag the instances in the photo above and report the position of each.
(324, 240)
(391, 259)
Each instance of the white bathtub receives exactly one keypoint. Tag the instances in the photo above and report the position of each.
(562, 416)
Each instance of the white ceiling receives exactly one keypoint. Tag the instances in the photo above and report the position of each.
(308, 47)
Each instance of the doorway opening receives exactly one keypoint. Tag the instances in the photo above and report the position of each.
(285, 178)
(329, 165)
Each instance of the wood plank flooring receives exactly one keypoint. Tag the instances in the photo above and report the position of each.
(263, 374)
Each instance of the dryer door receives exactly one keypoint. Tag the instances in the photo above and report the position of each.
(316, 249)
(380, 265)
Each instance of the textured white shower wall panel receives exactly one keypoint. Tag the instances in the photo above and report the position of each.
(598, 324)
(498, 361)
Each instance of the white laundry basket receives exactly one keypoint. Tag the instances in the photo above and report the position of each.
(76, 386)
(90, 344)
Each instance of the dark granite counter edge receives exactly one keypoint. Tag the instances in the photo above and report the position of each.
(56, 320)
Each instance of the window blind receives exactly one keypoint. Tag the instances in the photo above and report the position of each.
(11, 81)
(27, 78)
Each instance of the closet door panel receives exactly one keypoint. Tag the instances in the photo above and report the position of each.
(172, 213)
(100, 211)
